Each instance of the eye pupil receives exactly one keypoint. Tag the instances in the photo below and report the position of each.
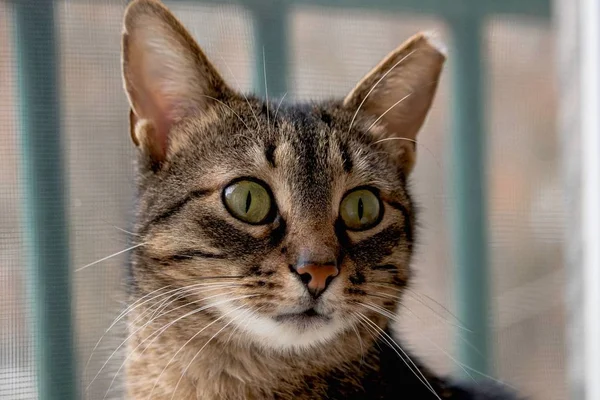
(248, 201)
(361, 208)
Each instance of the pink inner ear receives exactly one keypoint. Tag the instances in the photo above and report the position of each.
(161, 139)
(163, 121)
(155, 107)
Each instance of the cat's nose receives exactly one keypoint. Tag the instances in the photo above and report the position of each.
(317, 276)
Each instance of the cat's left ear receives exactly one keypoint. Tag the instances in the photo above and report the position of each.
(398, 93)
(166, 76)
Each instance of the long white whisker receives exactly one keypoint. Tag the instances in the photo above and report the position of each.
(243, 94)
(426, 336)
(119, 317)
(486, 376)
(436, 314)
(111, 256)
(369, 330)
(425, 381)
(231, 109)
(395, 318)
(125, 231)
(412, 141)
(119, 228)
(137, 330)
(374, 86)
(247, 319)
(159, 312)
(161, 330)
(174, 294)
(417, 294)
(362, 349)
(127, 339)
(141, 301)
(392, 344)
(266, 87)
(202, 348)
(185, 344)
(382, 311)
(135, 304)
(460, 337)
(388, 110)
(279, 105)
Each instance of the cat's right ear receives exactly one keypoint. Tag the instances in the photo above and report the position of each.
(398, 93)
(166, 75)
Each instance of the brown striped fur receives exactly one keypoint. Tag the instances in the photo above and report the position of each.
(195, 135)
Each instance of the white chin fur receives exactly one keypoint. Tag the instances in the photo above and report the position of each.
(283, 336)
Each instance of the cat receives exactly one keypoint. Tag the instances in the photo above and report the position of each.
(275, 240)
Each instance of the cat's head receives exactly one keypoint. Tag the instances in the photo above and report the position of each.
(293, 222)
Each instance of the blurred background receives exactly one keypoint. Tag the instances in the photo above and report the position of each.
(498, 177)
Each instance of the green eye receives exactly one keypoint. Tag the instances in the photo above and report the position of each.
(360, 210)
(248, 201)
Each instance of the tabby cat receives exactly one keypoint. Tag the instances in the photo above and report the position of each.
(275, 239)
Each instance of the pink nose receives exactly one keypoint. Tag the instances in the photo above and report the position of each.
(316, 277)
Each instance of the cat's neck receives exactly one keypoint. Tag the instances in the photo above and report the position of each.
(224, 363)
(222, 359)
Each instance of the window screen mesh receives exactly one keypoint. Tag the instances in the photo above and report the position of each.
(17, 370)
(329, 51)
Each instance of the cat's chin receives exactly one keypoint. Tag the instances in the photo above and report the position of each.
(297, 331)
(306, 318)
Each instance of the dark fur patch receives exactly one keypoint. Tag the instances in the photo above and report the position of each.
(408, 220)
(357, 278)
(399, 282)
(172, 209)
(385, 267)
(265, 109)
(355, 291)
(326, 117)
(346, 157)
(187, 255)
(224, 236)
(270, 154)
(255, 270)
(278, 234)
(377, 247)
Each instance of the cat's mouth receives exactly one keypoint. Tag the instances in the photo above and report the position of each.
(308, 316)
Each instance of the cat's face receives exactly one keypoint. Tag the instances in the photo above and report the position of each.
(297, 215)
